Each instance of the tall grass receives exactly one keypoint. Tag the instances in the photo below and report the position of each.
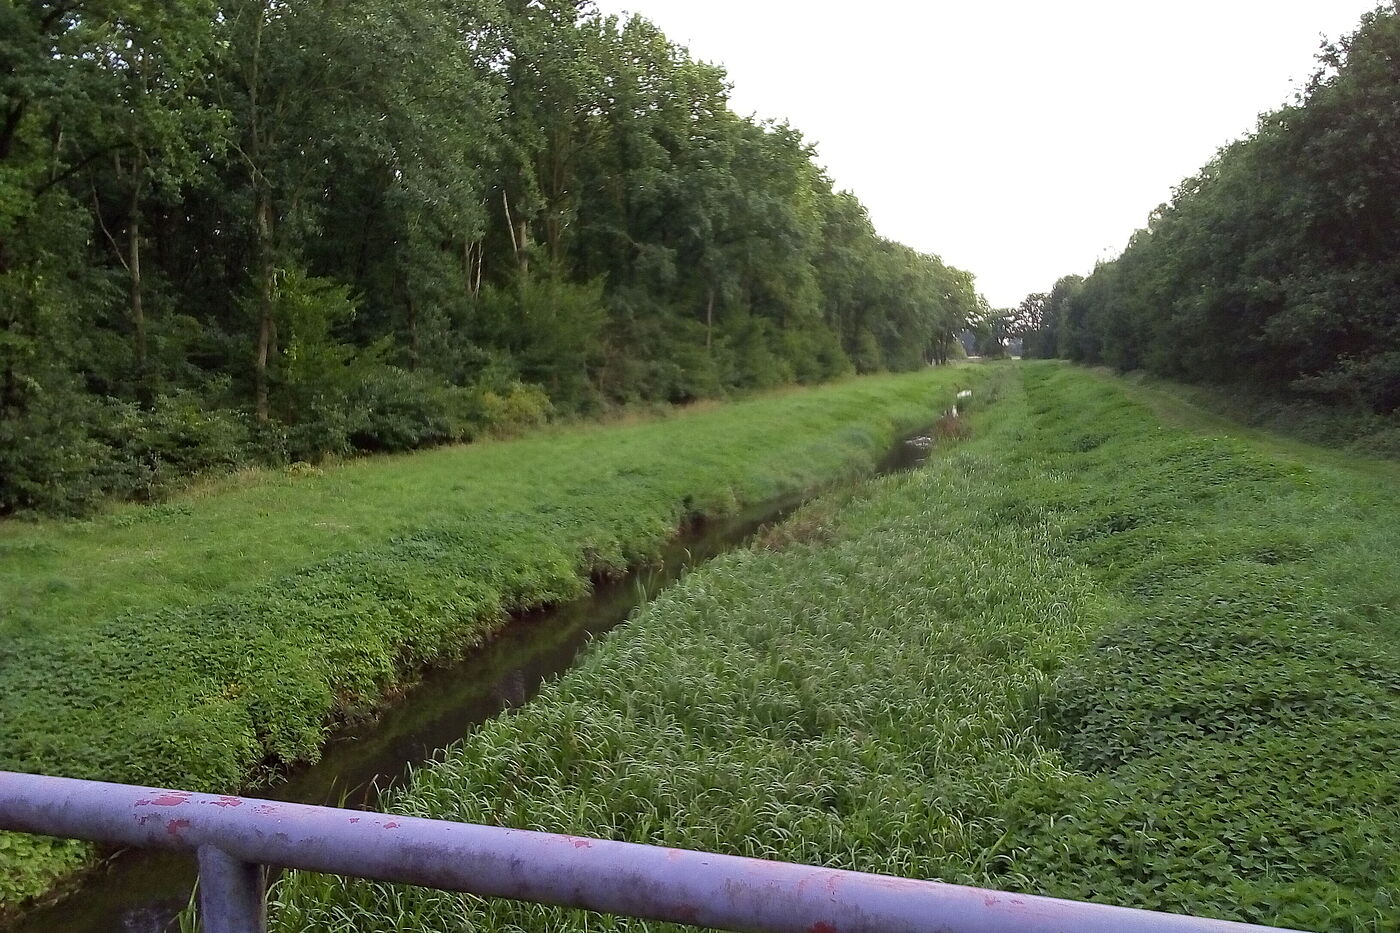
(1084, 654)
(193, 643)
(1235, 732)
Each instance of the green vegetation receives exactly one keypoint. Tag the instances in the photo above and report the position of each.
(253, 231)
(1269, 419)
(1112, 646)
(192, 643)
(1277, 265)
(1084, 653)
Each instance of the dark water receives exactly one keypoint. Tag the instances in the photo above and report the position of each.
(141, 892)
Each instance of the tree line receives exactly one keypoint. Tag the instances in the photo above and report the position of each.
(270, 230)
(1278, 264)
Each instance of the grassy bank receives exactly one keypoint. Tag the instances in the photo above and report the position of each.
(1306, 428)
(1086, 654)
(193, 643)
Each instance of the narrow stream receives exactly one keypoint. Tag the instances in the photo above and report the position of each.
(142, 891)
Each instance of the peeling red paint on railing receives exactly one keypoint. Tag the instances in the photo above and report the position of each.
(650, 882)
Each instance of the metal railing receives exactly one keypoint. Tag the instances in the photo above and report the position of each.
(234, 838)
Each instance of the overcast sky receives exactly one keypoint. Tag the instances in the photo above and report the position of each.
(1019, 139)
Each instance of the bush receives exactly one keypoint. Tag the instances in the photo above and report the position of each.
(751, 360)
(64, 458)
(324, 431)
(866, 355)
(551, 328)
(149, 450)
(504, 410)
(49, 460)
(815, 354)
(394, 410)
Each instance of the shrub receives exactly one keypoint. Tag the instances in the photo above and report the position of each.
(393, 409)
(504, 410)
(49, 460)
(150, 450)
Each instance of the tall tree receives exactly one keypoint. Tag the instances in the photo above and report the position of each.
(158, 132)
(1276, 263)
(253, 229)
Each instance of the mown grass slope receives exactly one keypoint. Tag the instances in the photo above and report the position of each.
(191, 643)
(1086, 654)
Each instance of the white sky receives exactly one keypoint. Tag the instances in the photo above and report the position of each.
(1019, 139)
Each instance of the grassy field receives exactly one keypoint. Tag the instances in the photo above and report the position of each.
(1088, 653)
(193, 643)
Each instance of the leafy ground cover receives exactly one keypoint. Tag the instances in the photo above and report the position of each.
(1085, 653)
(192, 643)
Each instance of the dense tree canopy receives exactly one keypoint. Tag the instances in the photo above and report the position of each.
(1278, 263)
(234, 230)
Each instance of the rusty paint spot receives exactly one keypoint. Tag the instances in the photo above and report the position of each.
(354, 819)
(265, 808)
(391, 825)
(581, 843)
(989, 901)
(174, 826)
(172, 799)
(674, 855)
(228, 802)
(820, 927)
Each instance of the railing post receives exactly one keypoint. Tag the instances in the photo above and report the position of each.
(232, 893)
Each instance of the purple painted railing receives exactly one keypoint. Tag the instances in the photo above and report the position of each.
(234, 837)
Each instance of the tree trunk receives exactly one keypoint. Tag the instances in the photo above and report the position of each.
(473, 259)
(133, 268)
(522, 249)
(412, 329)
(9, 318)
(263, 269)
(265, 273)
(519, 234)
(709, 317)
